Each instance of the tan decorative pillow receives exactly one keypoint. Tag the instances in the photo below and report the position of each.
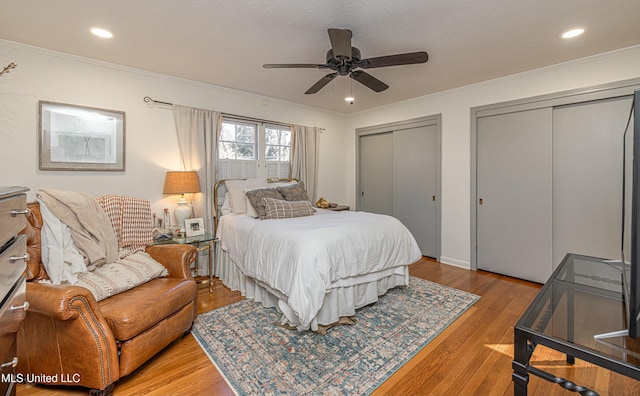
(256, 199)
(295, 192)
(281, 209)
(124, 274)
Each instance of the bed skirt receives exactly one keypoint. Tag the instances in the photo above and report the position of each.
(341, 300)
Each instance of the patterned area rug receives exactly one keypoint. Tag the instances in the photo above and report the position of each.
(257, 357)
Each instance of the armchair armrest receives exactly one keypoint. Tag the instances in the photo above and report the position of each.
(64, 331)
(59, 301)
(176, 258)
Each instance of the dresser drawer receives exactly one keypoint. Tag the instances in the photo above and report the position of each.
(12, 216)
(12, 264)
(14, 309)
(7, 373)
(12, 313)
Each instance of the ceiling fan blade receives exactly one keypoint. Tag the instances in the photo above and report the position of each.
(321, 83)
(394, 60)
(293, 66)
(368, 80)
(340, 43)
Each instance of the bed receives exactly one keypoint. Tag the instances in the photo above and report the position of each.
(314, 268)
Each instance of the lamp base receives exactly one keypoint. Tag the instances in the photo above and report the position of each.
(181, 213)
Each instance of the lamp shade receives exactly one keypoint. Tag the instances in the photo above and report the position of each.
(181, 183)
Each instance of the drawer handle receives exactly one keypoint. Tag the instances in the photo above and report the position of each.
(24, 257)
(12, 363)
(25, 212)
(24, 307)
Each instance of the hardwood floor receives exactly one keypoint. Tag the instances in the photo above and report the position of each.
(471, 357)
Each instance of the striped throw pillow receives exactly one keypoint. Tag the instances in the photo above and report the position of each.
(125, 274)
(281, 209)
(256, 197)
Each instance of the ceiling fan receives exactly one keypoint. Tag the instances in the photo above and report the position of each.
(344, 59)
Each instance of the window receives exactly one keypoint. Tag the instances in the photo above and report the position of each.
(252, 149)
(278, 143)
(238, 141)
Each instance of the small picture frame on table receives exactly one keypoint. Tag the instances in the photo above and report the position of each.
(194, 227)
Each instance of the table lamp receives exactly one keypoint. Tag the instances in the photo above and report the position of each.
(185, 182)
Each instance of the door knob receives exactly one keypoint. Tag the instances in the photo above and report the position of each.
(480, 201)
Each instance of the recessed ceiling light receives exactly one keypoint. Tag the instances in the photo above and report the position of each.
(102, 33)
(572, 33)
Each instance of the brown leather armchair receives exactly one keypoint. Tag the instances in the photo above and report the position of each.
(67, 338)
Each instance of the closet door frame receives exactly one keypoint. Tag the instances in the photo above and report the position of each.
(605, 91)
(432, 120)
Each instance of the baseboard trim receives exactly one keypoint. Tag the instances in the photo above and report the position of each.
(455, 262)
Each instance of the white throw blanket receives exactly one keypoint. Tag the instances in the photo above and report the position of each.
(59, 254)
(88, 223)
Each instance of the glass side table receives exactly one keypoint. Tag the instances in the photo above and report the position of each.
(582, 301)
(205, 241)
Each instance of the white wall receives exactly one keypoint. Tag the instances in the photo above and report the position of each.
(455, 106)
(151, 144)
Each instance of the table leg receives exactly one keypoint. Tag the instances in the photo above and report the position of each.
(570, 323)
(211, 253)
(521, 357)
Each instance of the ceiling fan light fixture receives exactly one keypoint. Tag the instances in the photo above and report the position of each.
(572, 33)
(100, 32)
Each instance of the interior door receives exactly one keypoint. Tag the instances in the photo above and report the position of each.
(514, 170)
(415, 178)
(587, 178)
(376, 173)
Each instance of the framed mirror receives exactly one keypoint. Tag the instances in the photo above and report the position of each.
(80, 138)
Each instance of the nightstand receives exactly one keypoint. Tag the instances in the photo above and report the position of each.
(202, 242)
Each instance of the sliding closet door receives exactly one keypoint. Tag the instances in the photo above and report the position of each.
(513, 224)
(376, 173)
(587, 178)
(415, 177)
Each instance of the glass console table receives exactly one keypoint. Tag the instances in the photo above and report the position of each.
(582, 299)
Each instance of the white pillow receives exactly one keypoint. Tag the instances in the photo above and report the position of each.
(235, 191)
(226, 206)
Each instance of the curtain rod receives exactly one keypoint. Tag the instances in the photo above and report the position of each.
(245, 118)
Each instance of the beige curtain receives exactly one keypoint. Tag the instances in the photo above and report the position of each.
(304, 159)
(198, 131)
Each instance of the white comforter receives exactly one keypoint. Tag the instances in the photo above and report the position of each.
(301, 258)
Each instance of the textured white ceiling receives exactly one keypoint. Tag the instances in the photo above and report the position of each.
(225, 42)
